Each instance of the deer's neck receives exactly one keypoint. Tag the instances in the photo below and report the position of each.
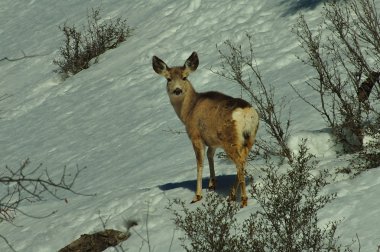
(184, 106)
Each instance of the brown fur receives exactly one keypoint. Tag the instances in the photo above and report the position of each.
(209, 121)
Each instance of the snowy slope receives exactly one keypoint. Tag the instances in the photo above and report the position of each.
(113, 118)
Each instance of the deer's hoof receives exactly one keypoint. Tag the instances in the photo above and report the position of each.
(231, 197)
(196, 198)
(244, 202)
(212, 185)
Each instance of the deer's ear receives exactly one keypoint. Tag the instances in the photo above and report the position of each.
(160, 67)
(192, 62)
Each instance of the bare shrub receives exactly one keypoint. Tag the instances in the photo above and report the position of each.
(29, 185)
(239, 66)
(344, 53)
(286, 220)
(210, 227)
(367, 158)
(81, 46)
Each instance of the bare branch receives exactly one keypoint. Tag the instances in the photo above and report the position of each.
(173, 131)
(346, 63)
(104, 221)
(26, 184)
(7, 242)
(5, 96)
(30, 185)
(25, 56)
(242, 68)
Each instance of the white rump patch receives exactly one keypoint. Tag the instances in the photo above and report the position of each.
(246, 120)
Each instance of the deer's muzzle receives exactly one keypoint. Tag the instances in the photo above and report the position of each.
(177, 91)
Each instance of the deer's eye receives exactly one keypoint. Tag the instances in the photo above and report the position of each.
(168, 79)
(184, 78)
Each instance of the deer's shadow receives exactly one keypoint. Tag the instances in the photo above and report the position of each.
(224, 184)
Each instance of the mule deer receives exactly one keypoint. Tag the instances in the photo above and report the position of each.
(211, 119)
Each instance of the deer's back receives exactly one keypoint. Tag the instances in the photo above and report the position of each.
(211, 118)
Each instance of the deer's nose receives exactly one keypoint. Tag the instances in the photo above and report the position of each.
(177, 91)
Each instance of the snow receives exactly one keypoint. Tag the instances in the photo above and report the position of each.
(320, 143)
(114, 117)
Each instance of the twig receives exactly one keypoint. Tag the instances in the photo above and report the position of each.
(104, 221)
(147, 228)
(7, 242)
(23, 57)
(147, 239)
(171, 241)
(357, 237)
(30, 185)
(178, 132)
(141, 237)
(5, 96)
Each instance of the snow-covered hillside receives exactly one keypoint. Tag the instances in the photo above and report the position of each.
(113, 118)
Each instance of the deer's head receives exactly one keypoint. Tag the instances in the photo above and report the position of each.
(177, 83)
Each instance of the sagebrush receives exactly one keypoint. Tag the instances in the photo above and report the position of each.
(286, 219)
(344, 53)
(82, 46)
(238, 64)
(27, 185)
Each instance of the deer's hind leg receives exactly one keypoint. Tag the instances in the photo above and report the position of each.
(238, 155)
(210, 157)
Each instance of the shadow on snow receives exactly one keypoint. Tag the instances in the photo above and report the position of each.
(224, 184)
(297, 5)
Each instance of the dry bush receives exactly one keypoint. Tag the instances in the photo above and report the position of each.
(345, 55)
(286, 220)
(81, 46)
(290, 201)
(239, 66)
(27, 185)
(210, 227)
(367, 158)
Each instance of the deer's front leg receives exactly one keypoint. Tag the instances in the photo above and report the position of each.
(199, 154)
